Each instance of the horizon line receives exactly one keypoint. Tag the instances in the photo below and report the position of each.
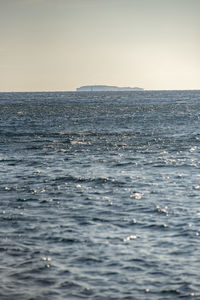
(75, 91)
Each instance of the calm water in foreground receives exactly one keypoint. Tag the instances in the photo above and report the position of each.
(100, 195)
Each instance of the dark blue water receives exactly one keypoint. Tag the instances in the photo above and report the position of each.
(100, 195)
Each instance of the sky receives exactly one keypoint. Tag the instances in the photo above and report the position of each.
(59, 45)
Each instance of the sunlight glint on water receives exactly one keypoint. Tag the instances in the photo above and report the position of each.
(100, 195)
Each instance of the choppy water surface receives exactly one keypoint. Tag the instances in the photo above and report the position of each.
(100, 195)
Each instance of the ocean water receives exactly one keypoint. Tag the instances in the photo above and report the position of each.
(100, 195)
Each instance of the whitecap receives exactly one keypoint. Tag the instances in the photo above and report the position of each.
(196, 187)
(137, 195)
(131, 237)
(75, 142)
(192, 149)
(162, 210)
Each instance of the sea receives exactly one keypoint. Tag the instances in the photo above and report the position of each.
(100, 195)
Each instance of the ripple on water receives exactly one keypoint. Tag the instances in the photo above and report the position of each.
(99, 195)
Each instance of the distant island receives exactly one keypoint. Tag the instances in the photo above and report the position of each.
(106, 88)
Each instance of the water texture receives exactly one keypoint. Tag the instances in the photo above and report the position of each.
(100, 195)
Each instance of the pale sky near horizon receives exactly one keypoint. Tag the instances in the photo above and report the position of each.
(49, 45)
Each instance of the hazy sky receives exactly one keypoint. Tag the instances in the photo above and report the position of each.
(63, 44)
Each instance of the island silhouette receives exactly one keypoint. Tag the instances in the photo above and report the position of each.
(107, 88)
